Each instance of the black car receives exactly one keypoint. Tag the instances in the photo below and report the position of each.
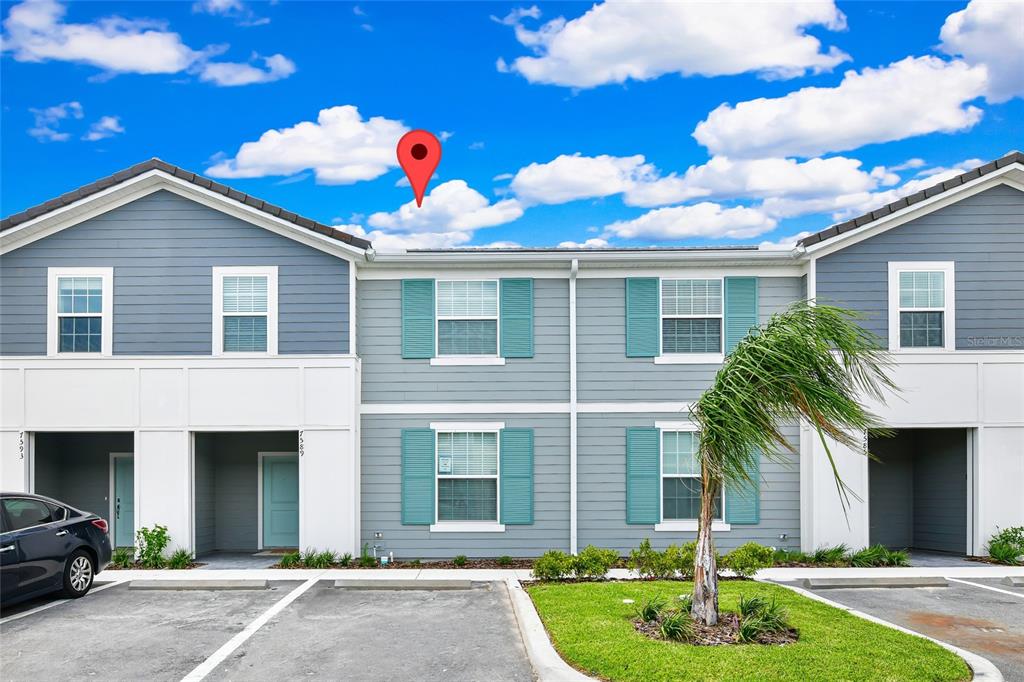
(48, 546)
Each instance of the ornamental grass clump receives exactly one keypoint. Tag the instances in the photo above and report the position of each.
(677, 626)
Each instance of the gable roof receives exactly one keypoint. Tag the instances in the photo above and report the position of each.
(138, 169)
(899, 204)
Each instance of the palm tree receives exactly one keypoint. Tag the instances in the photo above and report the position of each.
(812, 362)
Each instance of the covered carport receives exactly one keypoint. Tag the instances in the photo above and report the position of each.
(91, 471)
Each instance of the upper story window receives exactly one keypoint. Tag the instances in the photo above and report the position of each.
(245, 310)
(680, 477)
(467, 317)
(921, 313)
(467, 476)
(691, 316)
(80, 304)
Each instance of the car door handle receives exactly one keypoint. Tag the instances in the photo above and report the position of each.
(8, 548)
(61, 533)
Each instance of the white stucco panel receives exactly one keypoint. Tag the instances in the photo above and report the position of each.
(162, 397)
(1003, 397)
(13, 462)
(1000, 481)
(163, 484)
(329, 491)
(244, 396)
(69, 398)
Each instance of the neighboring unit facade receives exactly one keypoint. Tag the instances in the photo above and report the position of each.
(252, 379)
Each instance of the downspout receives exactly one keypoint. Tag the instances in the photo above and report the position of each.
(573, 543)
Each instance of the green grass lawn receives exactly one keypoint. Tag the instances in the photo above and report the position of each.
(593, 631)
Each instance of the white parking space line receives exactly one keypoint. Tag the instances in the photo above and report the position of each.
(987, 587)
(50, 605)
(221, 654)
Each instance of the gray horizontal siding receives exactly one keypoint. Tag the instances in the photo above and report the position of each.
(983, 235)
(601, 491)
(605, 374)
(381, 489)
(388, 378)
(163, 248)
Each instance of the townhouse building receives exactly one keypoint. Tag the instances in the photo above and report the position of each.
(174, 351)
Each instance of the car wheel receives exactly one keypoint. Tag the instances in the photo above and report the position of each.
(78, 574)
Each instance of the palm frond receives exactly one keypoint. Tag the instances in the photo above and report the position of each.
(813, 362)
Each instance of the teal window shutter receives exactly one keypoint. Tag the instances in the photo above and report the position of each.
(516, 318)
(417, 477)
(516, 457)
(417, 318)
(743, 498)
(643, 475)
(643, 313)
(740, 309)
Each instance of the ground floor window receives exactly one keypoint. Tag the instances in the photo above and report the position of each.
(680, 477)
(467, 476)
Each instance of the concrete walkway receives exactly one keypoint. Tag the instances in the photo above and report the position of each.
(975, 570)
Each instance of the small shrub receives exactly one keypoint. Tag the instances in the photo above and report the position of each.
(460, 560)
(680, 559)
(1004, 552)
(794, 556)
(878, 555)
(758, 616)
(593, 562)
(552, 565)
(345, 560)
(123, 557)
(830, 555)
(751, 628)
(650, 610)
(181, 558)
(751, 607)
(319, 559)
(505, 560)
(366, 559)
(290, 560)
(677, 626)
(649, 563)
(309, 557)
(416, 562)
(899, 557)
(151, 543)
(748, 559)
(1013, 535)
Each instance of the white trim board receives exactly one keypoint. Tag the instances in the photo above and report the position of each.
(524, 408)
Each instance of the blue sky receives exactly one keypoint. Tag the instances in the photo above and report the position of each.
(621, 124)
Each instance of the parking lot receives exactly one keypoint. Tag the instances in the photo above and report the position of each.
(985, 621)
(324, 633)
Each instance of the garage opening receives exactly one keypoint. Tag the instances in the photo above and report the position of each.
(246, 491)
(93, 472)
(918, 490)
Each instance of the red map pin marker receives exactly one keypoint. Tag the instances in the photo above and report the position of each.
(419, 152)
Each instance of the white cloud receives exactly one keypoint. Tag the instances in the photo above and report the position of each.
(35, 31)
(620, 40)
(915, 96)
(476, 146)
(705, 219)
(107, 126)
(340, 147)
(518, 14)
(445, 135)
(232, 74)
(593, 243)
(567, 178)
(233, 9)
(785, 243)
(47, 121)
(452, 205)
(990, 33)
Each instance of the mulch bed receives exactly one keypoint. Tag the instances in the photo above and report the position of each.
(724, 633)
(470, 563)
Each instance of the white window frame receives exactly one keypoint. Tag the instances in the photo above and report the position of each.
(679, 525)
(106, 276)
(947, 268)
(219, 273)
(468, 526)
(689, 358)
(455, 360)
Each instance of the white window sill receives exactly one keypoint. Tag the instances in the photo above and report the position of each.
(680, 526)
(466, 360)
(467, 527)
(690, 359)
(922, 350)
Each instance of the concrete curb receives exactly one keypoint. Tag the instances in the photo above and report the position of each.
(547, 664)
(372, 584)
(896, 581)
(199, 585)
(982, 667)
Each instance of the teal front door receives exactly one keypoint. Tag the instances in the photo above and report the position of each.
(124, 501)
(280, 500)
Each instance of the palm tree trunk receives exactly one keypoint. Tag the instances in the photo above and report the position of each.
(705, 572)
